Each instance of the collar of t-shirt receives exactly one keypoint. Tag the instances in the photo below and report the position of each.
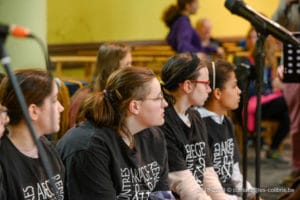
(207, 113)
(185, 119)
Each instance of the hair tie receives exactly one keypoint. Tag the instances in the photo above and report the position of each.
(113, 96)
(105, 94)
(190, 67)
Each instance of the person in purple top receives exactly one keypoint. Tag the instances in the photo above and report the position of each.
(182, 36)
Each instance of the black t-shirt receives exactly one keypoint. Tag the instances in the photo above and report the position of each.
(224, 150)
(187, 146)
(100, 165)
(25, 177)
(2, 191)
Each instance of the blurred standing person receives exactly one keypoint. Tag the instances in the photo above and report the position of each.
(182, 36)
(288, 15)
(117, 153)
(110, 57)
(186, 84)
(24, 174)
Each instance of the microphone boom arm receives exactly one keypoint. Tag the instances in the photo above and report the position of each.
(261, 23)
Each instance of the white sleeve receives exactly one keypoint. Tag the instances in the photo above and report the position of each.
(237, 180)
(184, 184)
(212, 185)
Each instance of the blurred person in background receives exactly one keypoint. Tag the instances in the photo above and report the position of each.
(203, 28)
(287, 14)
(110, 57)
(182, 36)
(274, 106)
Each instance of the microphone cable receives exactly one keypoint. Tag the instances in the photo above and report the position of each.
(5, 60)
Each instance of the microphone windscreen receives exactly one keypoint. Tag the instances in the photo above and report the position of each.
(18, 31)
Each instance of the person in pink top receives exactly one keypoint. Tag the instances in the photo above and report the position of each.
(273, 103)
(288, 15)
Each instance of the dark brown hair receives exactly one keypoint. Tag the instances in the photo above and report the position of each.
(222, 73)
(174, 11)
(36, 85)
(177, 69)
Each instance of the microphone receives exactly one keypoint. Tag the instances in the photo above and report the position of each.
(260, 22)
(14, 30)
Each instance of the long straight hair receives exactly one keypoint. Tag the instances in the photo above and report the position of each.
(108, 60)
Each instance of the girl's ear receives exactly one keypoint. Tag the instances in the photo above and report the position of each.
(187, 86)
(33, 111)
(217, 93)
(134, 106)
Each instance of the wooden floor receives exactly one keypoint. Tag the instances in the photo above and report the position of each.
(272, 174)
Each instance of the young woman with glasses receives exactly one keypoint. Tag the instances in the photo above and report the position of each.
(186, 84)
(117, 153)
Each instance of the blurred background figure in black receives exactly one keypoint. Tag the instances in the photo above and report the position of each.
(288, 15)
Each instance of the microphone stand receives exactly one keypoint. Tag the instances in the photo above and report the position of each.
(259, 64)
(5, 61)
(259, 69)
(245, 136)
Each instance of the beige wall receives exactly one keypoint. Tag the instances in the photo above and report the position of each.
(72, 21)
(25, 53)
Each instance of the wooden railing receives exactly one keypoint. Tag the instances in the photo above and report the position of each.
(89, 63)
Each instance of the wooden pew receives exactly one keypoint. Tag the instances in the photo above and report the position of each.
(150, 53)
(89, 63)
(152, 56)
